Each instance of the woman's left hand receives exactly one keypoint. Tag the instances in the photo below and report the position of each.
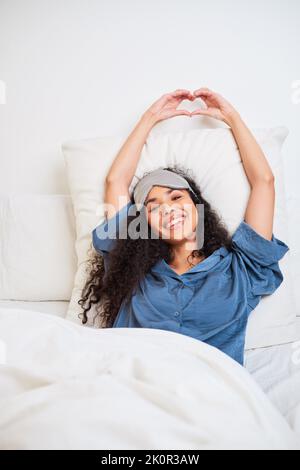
(216, 106)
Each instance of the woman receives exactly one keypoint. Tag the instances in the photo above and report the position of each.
(168, 278)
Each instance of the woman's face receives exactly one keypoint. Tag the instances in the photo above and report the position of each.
(172, 213)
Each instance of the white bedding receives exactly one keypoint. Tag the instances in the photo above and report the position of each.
(277, 371)
(68, 387)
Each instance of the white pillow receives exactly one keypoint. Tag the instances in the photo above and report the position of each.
(37, 256)
(214, 159)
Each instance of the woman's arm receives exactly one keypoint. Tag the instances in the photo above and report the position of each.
(260, 208)
(124, 166)
(125, 163)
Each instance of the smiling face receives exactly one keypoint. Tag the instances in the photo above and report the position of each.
(172, 213)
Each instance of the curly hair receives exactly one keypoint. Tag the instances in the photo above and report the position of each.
(131, 259)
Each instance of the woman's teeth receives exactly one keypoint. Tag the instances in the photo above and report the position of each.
(175, 222)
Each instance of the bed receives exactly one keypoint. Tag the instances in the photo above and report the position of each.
(65, 386)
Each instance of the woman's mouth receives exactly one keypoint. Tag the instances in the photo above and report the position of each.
(176, 222)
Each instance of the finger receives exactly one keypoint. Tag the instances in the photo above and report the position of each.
(203, 112)
(203, 92)
(203, 95)
(205, 99)
(182, 92)
(181, 112)
(204, 89)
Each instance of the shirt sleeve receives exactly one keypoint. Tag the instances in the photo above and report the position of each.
(104, 236)
(260, 258)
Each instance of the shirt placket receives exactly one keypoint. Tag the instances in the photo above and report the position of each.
(184, 295)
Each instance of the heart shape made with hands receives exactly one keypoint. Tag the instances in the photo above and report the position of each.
(215, 105)
(201, 94)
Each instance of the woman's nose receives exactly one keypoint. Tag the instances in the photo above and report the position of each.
(167, 209)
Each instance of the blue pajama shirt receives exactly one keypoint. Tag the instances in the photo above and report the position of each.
(211, 301)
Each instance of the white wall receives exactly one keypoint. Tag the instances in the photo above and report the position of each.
(83, 68)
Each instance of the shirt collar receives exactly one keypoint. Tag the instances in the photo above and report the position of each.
(207, 264)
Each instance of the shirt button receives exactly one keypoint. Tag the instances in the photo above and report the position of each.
(176, 314)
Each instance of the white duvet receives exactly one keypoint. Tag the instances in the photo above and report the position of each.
(64, 386)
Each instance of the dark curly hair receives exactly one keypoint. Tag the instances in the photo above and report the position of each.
(130, 259)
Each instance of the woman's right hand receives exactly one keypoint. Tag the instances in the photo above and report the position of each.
(166, 106)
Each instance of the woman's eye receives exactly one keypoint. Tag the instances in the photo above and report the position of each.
(156, 207)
